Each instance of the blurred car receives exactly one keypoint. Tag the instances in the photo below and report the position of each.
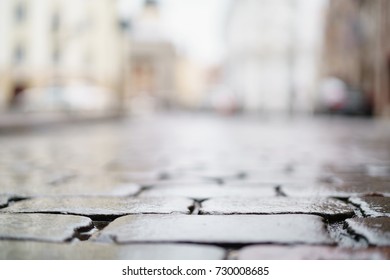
(336, 96)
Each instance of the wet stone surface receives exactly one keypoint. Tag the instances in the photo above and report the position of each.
(101, 206)
(98, 251)
(272, 252)
(201, 192)
(233, 166)
(4, 200)
(374, 206)
(276, 205)
(375, 230)
(343, 191)
(41, 227)
(89, 186)
(217, 229)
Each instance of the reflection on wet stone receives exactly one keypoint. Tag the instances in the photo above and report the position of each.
(4, 200)
(87, 186)
(276, 205)
(374, 206)
(42, 227)
(274, 252)
(149, 168)
(101, 206)
(378, 170)
(205, 191)
(217, 229)
(344, 191)
(98, 251)
(375, 230)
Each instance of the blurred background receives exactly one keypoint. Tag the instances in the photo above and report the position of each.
(105, 57)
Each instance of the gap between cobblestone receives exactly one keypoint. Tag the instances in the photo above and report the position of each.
(340, 231)
(141, 190)
(360, 239)
(195, 208)
(279, 191)
(13, 200)
(359, 209)
(82, 233)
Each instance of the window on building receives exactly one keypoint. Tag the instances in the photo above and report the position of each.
(19, 54)
(55, 22)
(20, 11)
(56, 56)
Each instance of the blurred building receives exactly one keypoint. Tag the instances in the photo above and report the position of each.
(357, 53)
(153, 58)
(60, 55)
(272, 53)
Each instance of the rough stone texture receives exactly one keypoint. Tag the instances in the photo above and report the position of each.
(42, 227)
(217, 229)
(344, 191)
(85, 187)
(378, 170)
(374, 206)
(276, 205)
(375, 230)
(210, 191)
(97, 251)
(88, 189)
(298, 157)
(302, 252)
(219, 174)
(101, 206)
(4, 200)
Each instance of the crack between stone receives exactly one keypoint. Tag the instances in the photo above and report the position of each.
(279, 191)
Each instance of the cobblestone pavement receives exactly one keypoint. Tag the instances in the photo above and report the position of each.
(197, 187)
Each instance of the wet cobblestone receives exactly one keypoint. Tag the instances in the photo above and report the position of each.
(276, 205)
(101, 206)
(272, 252)
(308, 188)
(202, 192)
(342, 191)
(375, 206)
(4, 200)
(54, 228)
(97, 251)
(375, 230)
(218, 229)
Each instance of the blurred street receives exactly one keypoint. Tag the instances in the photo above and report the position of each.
(197, 186)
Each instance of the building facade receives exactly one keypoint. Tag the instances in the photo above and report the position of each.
(60, 44)
(357, 50)
(272, 53)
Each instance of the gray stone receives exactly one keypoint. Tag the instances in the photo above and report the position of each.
(83, 187)
(4, 200)
(374, 206)
(343, 191)
(209, 191)
(42, 227)
(217, 174)
(276, 205)
(378, 170)
(375, 230)
(90, 189)
(177, 182)
(308, 252)
(97, 251)
(101, 206)
(217, 229)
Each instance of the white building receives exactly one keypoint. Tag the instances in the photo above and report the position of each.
(272, 52)
(60, 44)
